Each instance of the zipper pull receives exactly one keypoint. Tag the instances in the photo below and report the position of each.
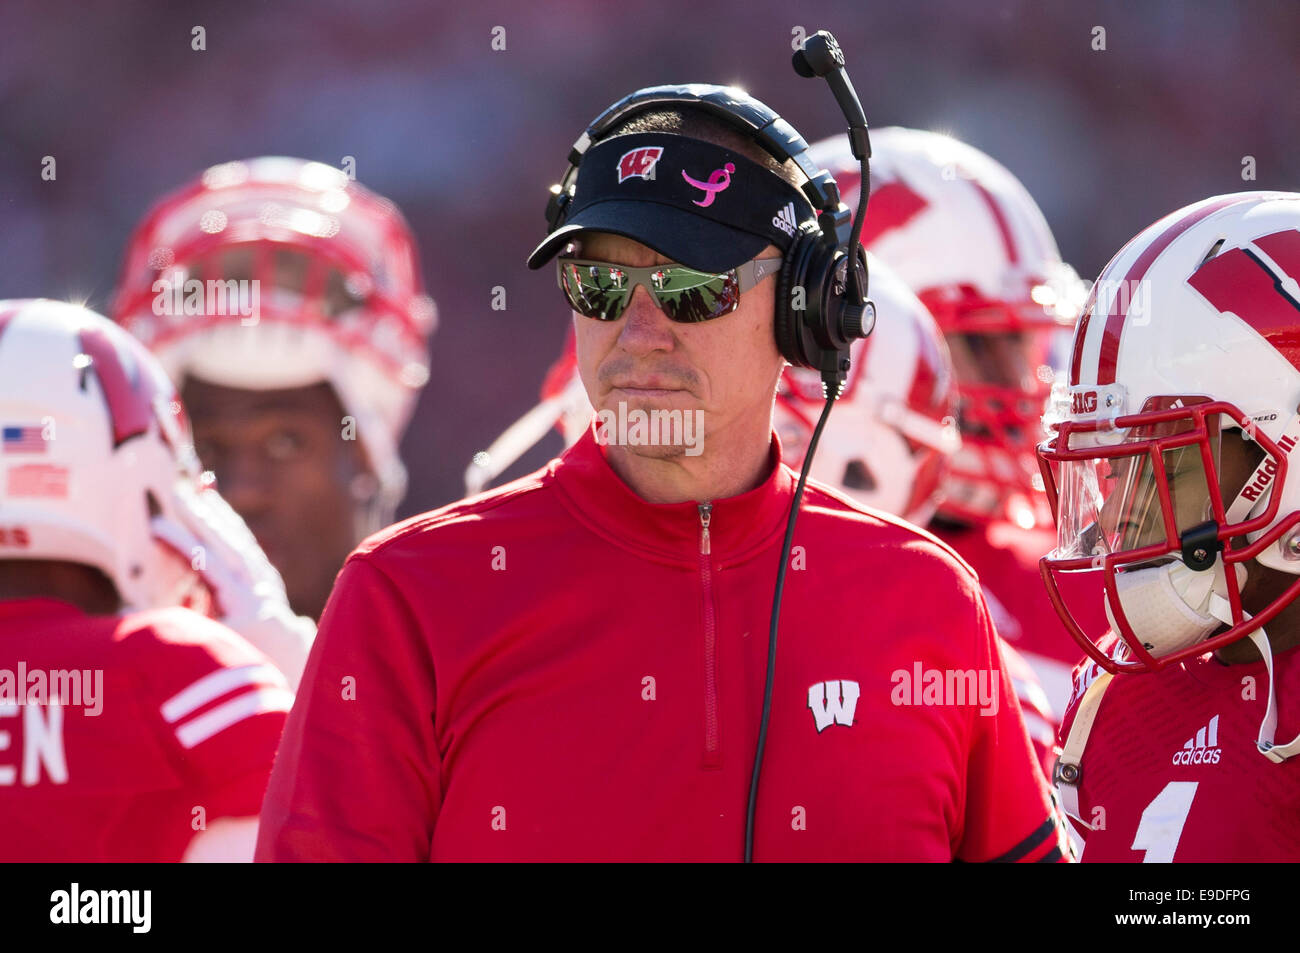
(706, 514)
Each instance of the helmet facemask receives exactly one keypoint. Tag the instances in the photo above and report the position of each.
(1169, 504)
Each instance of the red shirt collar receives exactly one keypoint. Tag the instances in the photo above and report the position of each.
(739, 525)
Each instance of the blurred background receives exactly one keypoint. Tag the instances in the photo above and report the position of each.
(467, 139)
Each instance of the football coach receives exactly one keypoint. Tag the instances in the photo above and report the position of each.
(572, 666)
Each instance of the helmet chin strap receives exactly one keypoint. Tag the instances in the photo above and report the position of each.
(1275, 753)
(1264, 743)
(1242, 509)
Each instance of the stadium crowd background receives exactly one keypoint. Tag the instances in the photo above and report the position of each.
(466, 139)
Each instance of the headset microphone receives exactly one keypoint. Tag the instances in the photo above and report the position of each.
(843, 317)
(821, 56)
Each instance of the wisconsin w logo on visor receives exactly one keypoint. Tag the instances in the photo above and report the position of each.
(639, 162)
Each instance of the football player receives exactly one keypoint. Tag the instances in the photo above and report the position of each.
(1171, 477)
(286, 300)
(131, 729)
(969, 240)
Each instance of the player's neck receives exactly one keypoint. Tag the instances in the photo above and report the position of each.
(1243, 651)
(82, 586)
(1283, 631)
(731, 461)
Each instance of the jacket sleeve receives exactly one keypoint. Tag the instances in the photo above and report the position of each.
(357, 777)
(1009, 811)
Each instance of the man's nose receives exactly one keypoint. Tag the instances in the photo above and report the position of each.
(645, 326)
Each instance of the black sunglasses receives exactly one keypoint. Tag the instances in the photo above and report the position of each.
(602, 289)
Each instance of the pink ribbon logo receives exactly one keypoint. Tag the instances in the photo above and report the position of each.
(719, 179)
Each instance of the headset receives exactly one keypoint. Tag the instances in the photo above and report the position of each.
(835, 309)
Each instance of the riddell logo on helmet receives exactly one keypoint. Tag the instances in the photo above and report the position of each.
(1264, 475)
(639, 162)
(1084, 403)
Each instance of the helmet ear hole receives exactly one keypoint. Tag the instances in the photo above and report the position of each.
(858, 476)
(1214, 250)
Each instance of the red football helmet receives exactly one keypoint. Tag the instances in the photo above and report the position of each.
(971, 243)
(278, 272)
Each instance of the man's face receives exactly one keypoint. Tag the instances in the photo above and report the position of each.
(727, 368)
(283, 465)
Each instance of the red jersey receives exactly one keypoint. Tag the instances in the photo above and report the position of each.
(559, 670)
(1170, 771)
(115, 730)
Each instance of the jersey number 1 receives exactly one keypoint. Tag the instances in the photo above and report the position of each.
(1162, 822)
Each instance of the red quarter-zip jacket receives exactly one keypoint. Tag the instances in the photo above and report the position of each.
(559, 670)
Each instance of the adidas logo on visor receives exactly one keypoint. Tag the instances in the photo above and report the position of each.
(785, 219)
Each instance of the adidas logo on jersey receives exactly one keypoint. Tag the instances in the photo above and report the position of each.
(1204, 748)
(785, 219)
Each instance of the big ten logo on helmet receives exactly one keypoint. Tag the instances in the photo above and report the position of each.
(639, 162)
(1083, 402)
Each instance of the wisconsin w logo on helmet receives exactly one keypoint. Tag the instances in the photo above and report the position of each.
(133, 400)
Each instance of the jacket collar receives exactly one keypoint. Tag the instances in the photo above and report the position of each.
(37, 606)
(739, 526)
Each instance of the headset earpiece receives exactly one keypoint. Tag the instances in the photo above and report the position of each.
(792, 297)
(811, 326)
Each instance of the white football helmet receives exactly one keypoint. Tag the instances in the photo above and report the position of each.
(1169, 470)
(889, 440)
(331, 290)
(97, 467)
(971, 243)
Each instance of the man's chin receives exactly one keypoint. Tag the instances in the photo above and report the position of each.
(654, 452)
(654, 428)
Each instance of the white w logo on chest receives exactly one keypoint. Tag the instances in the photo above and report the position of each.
(833, 703)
